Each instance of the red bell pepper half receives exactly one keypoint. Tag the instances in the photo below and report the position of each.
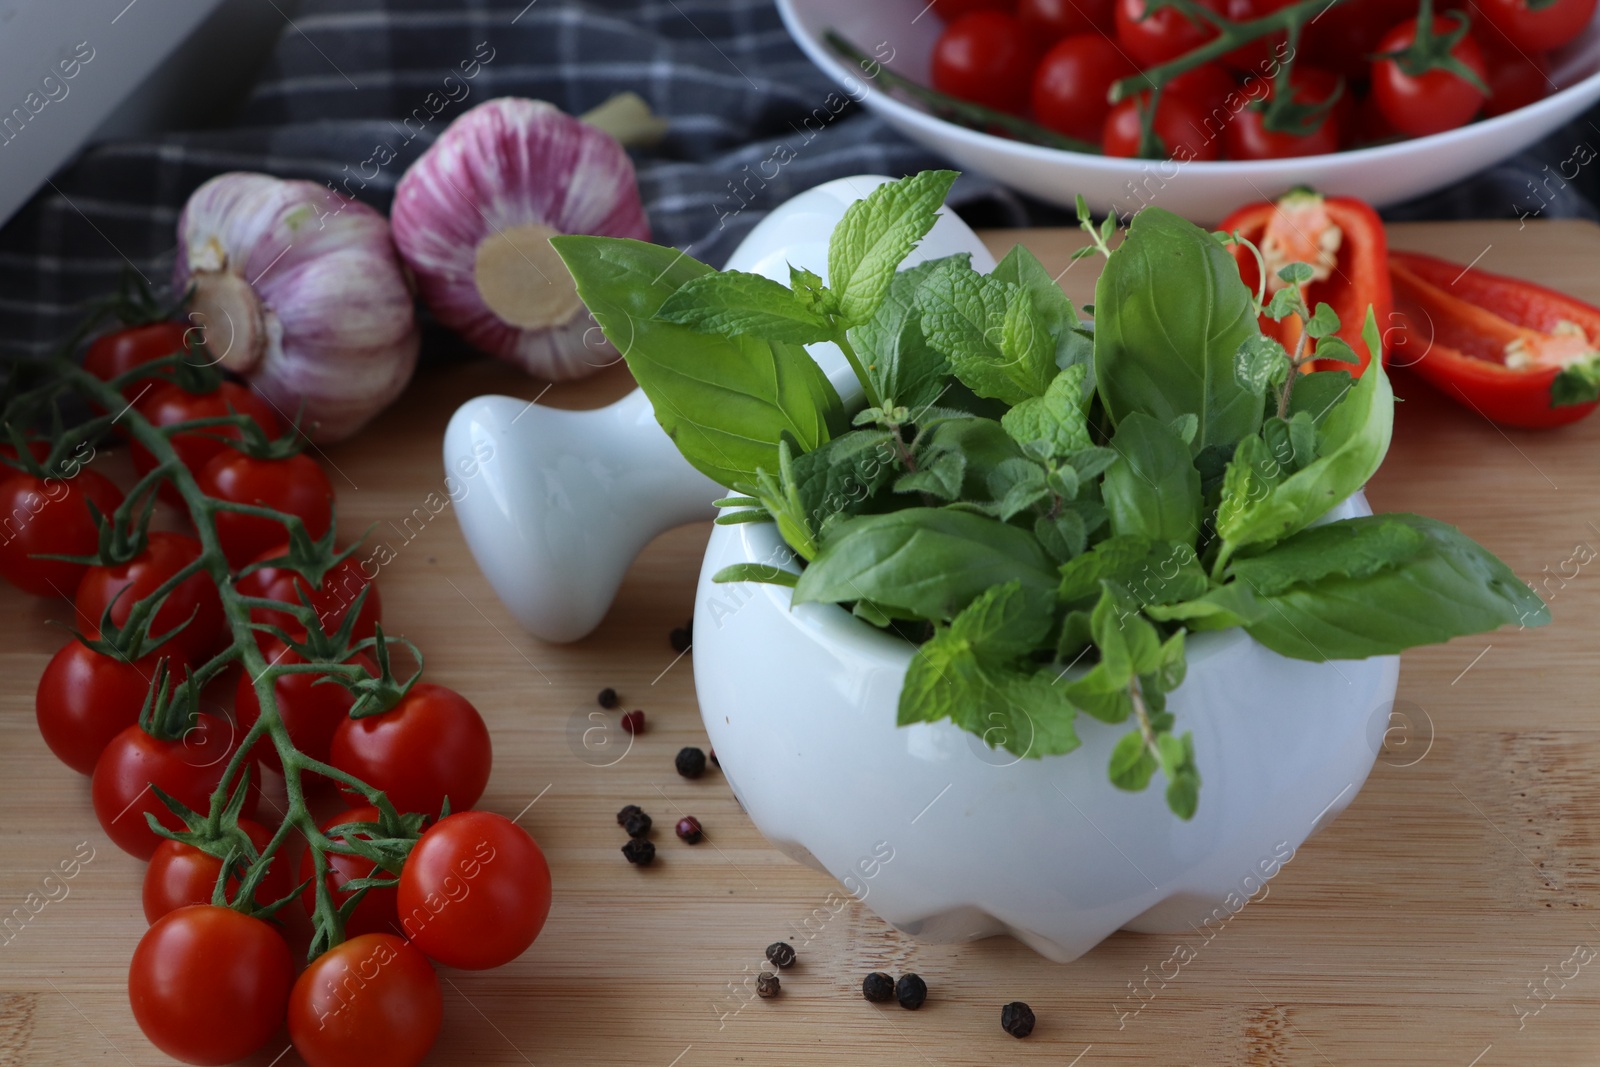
(1515, 352)
(1343, 242)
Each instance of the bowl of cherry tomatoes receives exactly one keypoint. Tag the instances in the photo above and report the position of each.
(1384, 100)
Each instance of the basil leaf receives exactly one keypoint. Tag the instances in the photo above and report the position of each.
(725, 402)
(1152, 572)
(1351, 443)
(1153, 489)
(1354, 548)
(1319, 393)
(1171, 314)
(929, 561)
(875, 234)
(1452, 586)
(941, 478)
(1022, 268)
(898, 360)
(732, 303)
(1056, 419)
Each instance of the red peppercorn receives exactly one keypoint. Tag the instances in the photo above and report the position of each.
(633, 722)
(689, 830)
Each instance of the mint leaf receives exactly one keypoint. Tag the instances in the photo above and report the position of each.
(1022, 268)
(732, 303)
(898, 359)
(725, 402)
(929, 561)
(843, 474)
(1152, 572)
(1170, 315)
(941, 477)
(982, 441)
(1450, 587)
(1017, 485)
(1132, 765)
(1056, 419)
(1153, 489)
(964, 318)
(875, 234)
(1027, 345)
(1064, 536)
(974, 672)
(1354, 548)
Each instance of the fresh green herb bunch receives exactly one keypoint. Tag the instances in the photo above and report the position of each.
(1047, 506)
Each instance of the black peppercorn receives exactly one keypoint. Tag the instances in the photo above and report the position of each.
(608, 698)
(637, 824)
(631, 809)
(691, 762)
(911, 991)
(767, 985)
(878, 987)
(781, 954)
(639, 851)
(1016, 1019)
(689, 830)
(680, 638)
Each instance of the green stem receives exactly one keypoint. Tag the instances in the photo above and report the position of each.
(873, 399)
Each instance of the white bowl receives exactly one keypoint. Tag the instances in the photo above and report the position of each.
(949, 840)
(1203, 192)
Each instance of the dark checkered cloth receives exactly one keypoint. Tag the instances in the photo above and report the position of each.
(349, 75)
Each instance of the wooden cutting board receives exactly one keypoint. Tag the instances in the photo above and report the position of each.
(1464, 877)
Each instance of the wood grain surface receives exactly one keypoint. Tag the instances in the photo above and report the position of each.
(1444, 919)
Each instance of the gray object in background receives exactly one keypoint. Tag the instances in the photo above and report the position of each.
(71, 72)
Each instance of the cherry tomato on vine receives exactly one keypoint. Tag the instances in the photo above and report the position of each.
(1209, 87)
(167, 405)
(39, 450)
(985, 57)
(1346, 34)
(1515, 81)
(1051, 20)
(504, 902)
(1248, 137)
(311, 709)
(331, 600)
(120, 586)
(86, 698)
(1180, 124)
(377, 912)
(187, 769)
(431, 745)
(949, 10)
(371, 999)
(209, 985)
(51, 515)
(1433, 102)
(295, 485)
(1154, 37)
(180, 875)
(1071, 83)
(1532, 29)
(133, 346)
(1261, 56)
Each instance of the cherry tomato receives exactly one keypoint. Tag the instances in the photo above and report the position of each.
(121, 586)
(1051, 20)
(376, 914)
(311, 709)
(180, 875)
(949, 10)
(431, 745)
(209, 985)
(40, 450)
(1261, 56)
(475, 891)
(1071, 83)
(187, 769)
(332, 599)
(1248, 137)
(133, 346)
(1155, 37)
(51, 515)
(1551, 26)
(1209, 87)
(1515, 81)
(1345, 35)
(296, 485)
(1180, 124)
(167, 405)
(372, 999)
(86, 698)
(1432, 102)
(985, 57)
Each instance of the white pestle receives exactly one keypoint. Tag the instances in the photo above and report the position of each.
(556, 504)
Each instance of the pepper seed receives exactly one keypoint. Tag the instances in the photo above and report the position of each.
(768, 986)
(691, 762)
(639, 851)
(633, 722)
(689, 830)
(781, 954)
(911, 991)
(637, 824)
(878, 987)
(631, 809)
(608, 698)
(1016, 1019)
